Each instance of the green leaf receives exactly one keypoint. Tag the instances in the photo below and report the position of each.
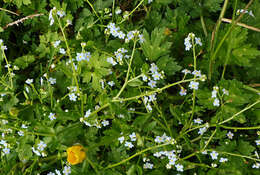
(245, 148)
(135, 83)
(155, 45)
(212, 5)
(168, 65)
(24, 61)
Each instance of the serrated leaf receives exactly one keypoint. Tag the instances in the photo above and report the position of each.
(155, 45)
(245, 148)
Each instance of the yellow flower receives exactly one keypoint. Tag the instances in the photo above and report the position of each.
(76, 154)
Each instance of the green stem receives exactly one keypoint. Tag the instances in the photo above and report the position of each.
(214, 36)
(68, 51)
(128, 72)
(212, 135)
(203, 25)
(140, 3)
(194, 91)
(243, 110)
(32, 133)
(93, 165)
(136, 154)
(236, 155)
(154, 91)
(94, 11)
(213, 56)
(239, 128)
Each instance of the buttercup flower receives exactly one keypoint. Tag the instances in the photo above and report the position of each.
(76, 154)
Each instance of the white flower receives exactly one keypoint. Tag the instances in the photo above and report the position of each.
(186, 71)
(156, 76)
(149, 107)
(179, 167)
(204, 152)
(121, 139)
(230, 135)
(20, 133)
(152, 83)
(36, 151)
(51, 173)
(41, 146)
(24, 126)
(148, 165)
(66, 170)
(198, 121)
(214, 94)
(172, 161)
(197, 73)
(193, 85)
(72, 97)
(129, 144)
(153, 68)
(216, 102)
(152, 97)
(256, 165)
(157, 154)
(225, 91)
(111, 61)
(6, 150)
(52, 116)
(159, 139)
(214, 165)
(62, 51)
(58, 172)
(202, 130)
(87, 114)
(133, 136)
(56, 43)
(183, 92)
(214, 155)
(29, 81)
(52, 80)
(257, 142)
(150, 1)
(223, 159)
(118, 11)
(111, 83)
(198, 41)
(61, 13)
(51, 17)
(105, 122)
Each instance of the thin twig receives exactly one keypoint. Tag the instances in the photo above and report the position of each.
(22, 20)
(241, 24)
(9, 11)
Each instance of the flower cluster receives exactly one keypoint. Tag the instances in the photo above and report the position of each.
(3, 47)
(95, 122)
(124, 139)
(54, 11)
(245, 11)
(148, 100)
(189, 41)
(156, 76)
(214, 95)
(148, 164)
(72, 94)
(117, 33)
(5, 148)
(39, 151)
(83, 56)
(66, 171)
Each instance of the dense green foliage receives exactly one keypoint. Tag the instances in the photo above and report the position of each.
(145, 86)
